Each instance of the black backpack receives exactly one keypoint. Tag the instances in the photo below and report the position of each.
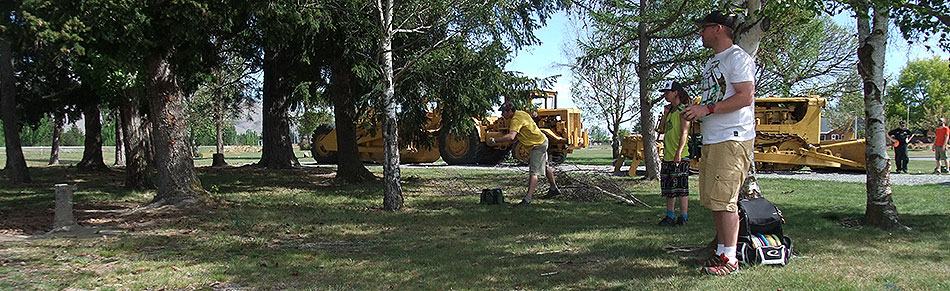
(761, 240)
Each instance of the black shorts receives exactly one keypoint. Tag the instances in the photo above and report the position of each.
(674, 179)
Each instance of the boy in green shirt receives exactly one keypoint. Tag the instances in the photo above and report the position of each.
(674, 170)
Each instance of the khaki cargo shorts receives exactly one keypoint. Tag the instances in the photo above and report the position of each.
(538, 161)
(940, 153)
(724, 167)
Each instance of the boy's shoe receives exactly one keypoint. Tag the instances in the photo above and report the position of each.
(680, 221)
(721, 270)
(944, 170)
(551, 193)
(667, 221)
(523, 203)
(936, 170)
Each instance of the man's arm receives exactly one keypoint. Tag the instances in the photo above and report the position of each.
(745, 96)
(510, 136)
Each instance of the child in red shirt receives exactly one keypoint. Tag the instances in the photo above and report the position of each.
(940, 147)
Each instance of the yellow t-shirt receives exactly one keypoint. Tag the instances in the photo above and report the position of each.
(528, 132)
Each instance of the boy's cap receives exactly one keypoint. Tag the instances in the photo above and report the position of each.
(671, 86)
(902, 123)
(717, 17)
(507, 106)
(942, 119)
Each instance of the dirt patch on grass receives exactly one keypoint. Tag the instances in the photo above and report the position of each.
(124, 217)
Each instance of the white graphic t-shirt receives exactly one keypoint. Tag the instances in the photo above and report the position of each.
(732, 65)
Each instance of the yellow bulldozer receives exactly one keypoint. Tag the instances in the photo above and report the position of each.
(787, 138)
(563, 128)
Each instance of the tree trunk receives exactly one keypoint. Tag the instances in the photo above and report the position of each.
(651, 157)
(16, 168)
(119, 144)
(350, 168)
(881, 211)
(92, 147)
(58, 124)
(615, 140)
(177, 182)
(750, 31)
(392, 199)
(218, 127)
(278, 152)
(135, 138)
(218, 157)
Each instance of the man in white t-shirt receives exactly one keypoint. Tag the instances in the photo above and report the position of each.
(727, 120)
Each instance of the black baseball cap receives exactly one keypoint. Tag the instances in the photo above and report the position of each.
(717, 17)
(507, 106)
(902, 123)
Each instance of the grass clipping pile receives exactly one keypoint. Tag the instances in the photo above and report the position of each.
(580, 185)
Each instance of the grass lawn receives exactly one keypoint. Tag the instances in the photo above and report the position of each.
(296, 229)
(593, 155)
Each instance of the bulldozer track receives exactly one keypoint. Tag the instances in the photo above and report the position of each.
(778, 142)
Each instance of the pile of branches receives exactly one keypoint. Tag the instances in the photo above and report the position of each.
(584, 185)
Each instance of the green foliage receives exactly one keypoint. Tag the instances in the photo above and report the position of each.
(844, 110)
(800, 58)
(73, 136)
(249, 138)
(921, 20)
(923, 87)
(625, 131)
(204, 134)
(40, 134)
(598, 134)
(309, 120)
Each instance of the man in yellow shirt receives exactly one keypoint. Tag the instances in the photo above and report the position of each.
(527, 132)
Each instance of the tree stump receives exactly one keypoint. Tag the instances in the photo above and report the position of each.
(63, 217)
(218, 161)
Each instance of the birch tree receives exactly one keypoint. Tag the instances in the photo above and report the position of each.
(511, 21)
(873, 24)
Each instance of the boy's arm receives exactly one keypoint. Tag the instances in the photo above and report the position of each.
(684, 135)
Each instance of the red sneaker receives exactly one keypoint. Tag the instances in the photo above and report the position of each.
(721, 270)
(712, 261)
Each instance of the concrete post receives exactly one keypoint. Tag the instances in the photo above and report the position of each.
(63, 218)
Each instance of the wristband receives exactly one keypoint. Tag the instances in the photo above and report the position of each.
(711, 107)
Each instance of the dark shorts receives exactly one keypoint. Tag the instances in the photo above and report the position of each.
(674, 179)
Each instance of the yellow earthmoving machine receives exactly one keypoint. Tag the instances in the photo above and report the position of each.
(787, 138)
(563, 128)
(631, 148)
(371, 145)
(788, 134)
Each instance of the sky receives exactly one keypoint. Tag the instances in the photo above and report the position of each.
(541, 60)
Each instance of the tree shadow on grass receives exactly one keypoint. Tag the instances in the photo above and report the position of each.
(332, 237)
(298, 246)
(28, 209)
